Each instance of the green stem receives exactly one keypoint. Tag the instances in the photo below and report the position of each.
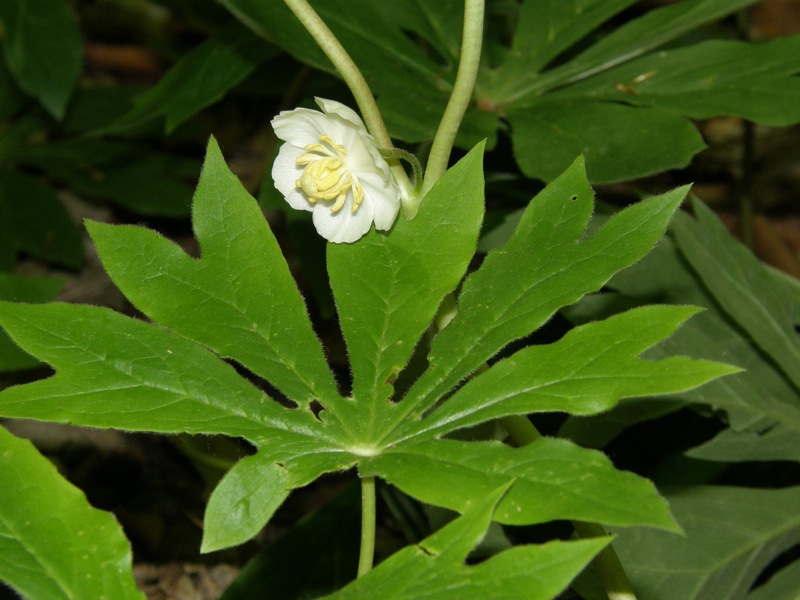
(612, 575)
(471, 41)
(352, 76)
(607, 564)
(367, 553)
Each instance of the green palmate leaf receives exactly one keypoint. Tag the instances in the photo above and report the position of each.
(239, 298)
(546, 29)
(777, 443)
(558, 109)
(53, 544)
(256, 486)
(435, 568)
(114, 371)
(551, 480)
(198, 79)
(755, 81)
(781, 586)
(755, 399)
(34, 34)
(33, 220)
(588, 371)
(389, 287)
(635, 38)
(766, 307)
(731, 535)
(617, 140)
(23, 289)
(544, 266)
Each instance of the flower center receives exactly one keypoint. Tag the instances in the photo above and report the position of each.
(326, 176)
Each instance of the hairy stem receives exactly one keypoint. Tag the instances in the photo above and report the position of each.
(471, 42)
(352, 76)
(609, 569)
(367, 552)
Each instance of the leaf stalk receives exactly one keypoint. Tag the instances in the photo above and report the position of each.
(352, 76)
(471, 43)
(367, 552)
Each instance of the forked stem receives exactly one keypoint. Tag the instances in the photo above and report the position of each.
(352, 76)
(367, 552)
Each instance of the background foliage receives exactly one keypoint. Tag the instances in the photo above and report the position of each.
(105, 108)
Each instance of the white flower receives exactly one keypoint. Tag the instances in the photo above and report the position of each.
(331, 166)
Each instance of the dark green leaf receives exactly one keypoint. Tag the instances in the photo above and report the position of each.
(635, 38)
(36, 222)
(547, 28)
(755, 399)
(198, 79)
(764, 305)
(756, 81)
(618, 141)
(43, 50)
(140, 180)
(777, 443)
(731, 535)
(11, 97)
(781, 586)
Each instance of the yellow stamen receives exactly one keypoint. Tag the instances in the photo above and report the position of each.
(326, 176)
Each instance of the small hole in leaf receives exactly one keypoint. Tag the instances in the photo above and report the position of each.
(573, 197)
(316, 408)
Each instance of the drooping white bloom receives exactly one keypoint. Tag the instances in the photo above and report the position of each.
(331, 166)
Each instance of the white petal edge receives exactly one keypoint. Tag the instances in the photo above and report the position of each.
(302, 126)
(343, 227)
(285, 174)
(332, 107)
(384, 198)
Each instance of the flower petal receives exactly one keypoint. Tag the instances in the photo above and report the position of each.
(332, 107)
(349, 142)
(384, 198)
(285, 173)
(303, 126)
(343, 226)
(362, 148)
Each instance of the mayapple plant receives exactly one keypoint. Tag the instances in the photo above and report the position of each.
(391, 275)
